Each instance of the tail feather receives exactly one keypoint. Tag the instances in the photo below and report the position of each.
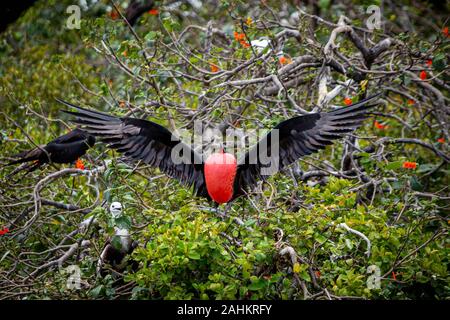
(27, 167)
(26, 156)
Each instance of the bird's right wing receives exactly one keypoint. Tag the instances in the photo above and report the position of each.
(146, 141)
(295, 138)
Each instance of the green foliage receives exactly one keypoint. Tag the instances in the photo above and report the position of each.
(186, 255)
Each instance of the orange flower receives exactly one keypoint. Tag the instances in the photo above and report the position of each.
(409, 165)
(213, 67)
(114, 14)
(429, 62)
(153, 12)
(348, 101)
(379, 125)
(249, 21)
(394, 276)
(244, 43)
(79, 164)
(125, 53)
(445, 31)
(318, 274)
(411, 102)
(121, 103)
(110, 82)
(423, 75)
(441, 140)
(239, 36)
(284, 60)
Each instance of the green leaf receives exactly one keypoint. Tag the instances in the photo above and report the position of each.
(349, 244)
(123, 222)
(439, 62)
(116, 243)
(394, 165)
(320, 238)
(415, 184)
(324, 4)
(397, 185)
(257, 285)
(96, 291)
(151, 36)
(364, 154)
(406, 80)
(194, 255)
(305, 275)
(426, 167)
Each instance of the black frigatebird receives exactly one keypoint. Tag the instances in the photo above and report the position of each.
(221, 177)
(64, 149)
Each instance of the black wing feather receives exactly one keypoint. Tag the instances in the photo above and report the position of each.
(297, 137)
(147, 141)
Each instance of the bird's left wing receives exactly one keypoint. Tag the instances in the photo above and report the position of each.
(295, 138)
(147, 141)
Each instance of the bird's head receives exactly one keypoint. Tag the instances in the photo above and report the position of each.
(115, 209)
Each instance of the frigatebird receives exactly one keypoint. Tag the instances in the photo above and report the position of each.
(221, 177)
(64, 149)
(113, 255)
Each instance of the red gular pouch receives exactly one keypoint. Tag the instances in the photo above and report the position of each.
(220, 171)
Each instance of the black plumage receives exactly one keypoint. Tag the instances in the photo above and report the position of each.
(147, 141)
(115, 257)
(64, 149)
(298, 137)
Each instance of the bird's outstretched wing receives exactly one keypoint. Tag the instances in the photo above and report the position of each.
(72, 136)
(295, 138)
(144, 140)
